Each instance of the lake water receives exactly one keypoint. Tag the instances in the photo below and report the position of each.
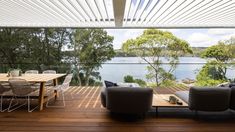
(119, 67)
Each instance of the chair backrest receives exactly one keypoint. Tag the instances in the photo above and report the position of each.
(31, 72)
(20, 86)
(129, 100)
(3, 89)
(49, 72)
(232, 98)
(67, 81)
(209, 98)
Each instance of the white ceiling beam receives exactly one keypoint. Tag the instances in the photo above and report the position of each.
(119, 9)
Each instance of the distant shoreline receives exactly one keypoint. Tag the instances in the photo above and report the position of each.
(196, 53)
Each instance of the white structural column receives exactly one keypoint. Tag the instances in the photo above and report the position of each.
(119, 8)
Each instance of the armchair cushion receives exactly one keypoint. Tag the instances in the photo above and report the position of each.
(129, 100)
(232, 100)
(184, 95)
(209, 98)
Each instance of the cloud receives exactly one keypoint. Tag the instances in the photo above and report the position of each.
(122, 35)
(132, 33)
(226, 37)
(220, 31)
(200, 40)
(195, 37)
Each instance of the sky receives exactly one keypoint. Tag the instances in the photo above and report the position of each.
(195, 37)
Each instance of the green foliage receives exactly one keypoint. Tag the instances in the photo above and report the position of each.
(162, 75)
(154, 43)
(90, 48)
(222, 55)
(167, 83)
(210, 74)
(30, 48)
(130, 79)
(220, 52)
(141, 82)
(42, 49)
(209, 82)
(120, 53)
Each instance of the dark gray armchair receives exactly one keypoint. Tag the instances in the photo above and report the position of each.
(127, 100)
(207, 98)
(232, 100)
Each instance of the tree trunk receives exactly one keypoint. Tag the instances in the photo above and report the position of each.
(79, 79)
(47, 46)
(156, 75)
(87, 77)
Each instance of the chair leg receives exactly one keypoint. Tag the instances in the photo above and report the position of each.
(1, 109)
(1, 105)
(63, 100)
(9, 108)
(30, 110)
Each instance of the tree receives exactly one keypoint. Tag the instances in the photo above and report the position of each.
(219, 52)
(91, 48)
(222, 55)
(130, 79)
(31, 48)
(220, 58)
(210, 74)
(154, 44)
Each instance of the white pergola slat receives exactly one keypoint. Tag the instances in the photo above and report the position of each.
(56, 13)
(180, 13)
(118, 13)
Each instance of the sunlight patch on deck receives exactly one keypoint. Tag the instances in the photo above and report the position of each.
(87, 98)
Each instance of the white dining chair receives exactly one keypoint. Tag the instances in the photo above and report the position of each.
(62, 89)
(31, 72)
(21, 88)
(3, 90)
(49, 83)
(49, 72)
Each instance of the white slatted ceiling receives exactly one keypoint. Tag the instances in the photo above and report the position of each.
(99, 13)
(56, 13)
(179, 13)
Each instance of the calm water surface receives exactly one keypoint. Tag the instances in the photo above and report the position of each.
(119, 67)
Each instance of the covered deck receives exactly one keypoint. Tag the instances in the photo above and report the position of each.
(85, 113)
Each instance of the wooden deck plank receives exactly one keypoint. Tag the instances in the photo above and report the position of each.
(90, 116)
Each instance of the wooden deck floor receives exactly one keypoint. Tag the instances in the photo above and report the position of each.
(85, 113)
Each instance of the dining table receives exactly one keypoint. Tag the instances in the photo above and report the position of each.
(37, 78)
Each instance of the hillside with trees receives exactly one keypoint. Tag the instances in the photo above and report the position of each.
(196, 52)
(64, 50)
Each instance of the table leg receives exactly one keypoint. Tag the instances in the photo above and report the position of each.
(156, 111)
(55, 82)
(41, 95)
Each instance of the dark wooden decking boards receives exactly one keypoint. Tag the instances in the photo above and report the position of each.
(84, 113)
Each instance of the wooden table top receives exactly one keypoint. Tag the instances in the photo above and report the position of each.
(33, 77)
(161, 100)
